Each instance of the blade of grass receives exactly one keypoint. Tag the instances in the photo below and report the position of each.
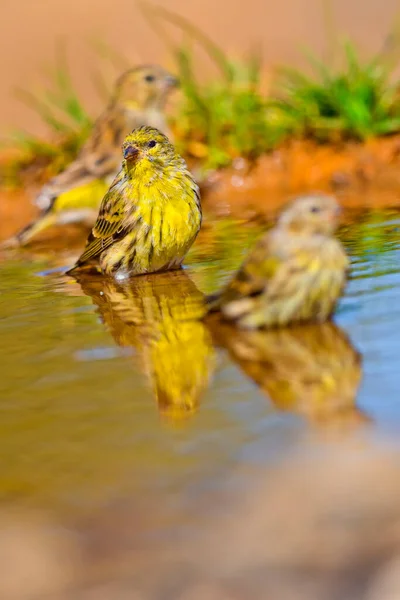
(43, 110)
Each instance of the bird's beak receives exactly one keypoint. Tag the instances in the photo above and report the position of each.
(172, 81)
(131, 153)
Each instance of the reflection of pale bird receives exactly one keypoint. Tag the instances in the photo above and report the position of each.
(151, 214)
(309, 369)
(160, 317)
(296, 272)
(74, 195)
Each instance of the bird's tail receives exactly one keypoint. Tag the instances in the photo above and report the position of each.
(25, 235)
(241, 311)
(34, 228)
(83, 269)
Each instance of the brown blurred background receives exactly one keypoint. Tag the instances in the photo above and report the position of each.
(29, 30)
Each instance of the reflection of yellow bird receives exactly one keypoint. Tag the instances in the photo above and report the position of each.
(75, 194)
(151, 214)
(161, 318)
(296, 272)
(310, 369)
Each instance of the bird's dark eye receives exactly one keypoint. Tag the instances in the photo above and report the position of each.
(149, 78)
(151, 144)
(315, 209)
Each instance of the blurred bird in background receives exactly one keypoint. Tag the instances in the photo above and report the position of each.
(295, 273)
(151, 214)
(160, 317)
(310, 369)
(139, 98)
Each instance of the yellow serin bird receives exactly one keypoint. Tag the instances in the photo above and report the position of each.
(75, 194)
(295, 273)
(151, 214)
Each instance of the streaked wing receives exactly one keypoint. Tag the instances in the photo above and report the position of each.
(255, 274)
(275, 268)
(296, 273)
(111, 224)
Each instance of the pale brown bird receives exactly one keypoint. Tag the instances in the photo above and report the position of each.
(139, 98)
(296, 272)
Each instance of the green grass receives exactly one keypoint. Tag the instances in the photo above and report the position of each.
(223, 120)
(228, 116)
(39, 157)
(61, 110)
(358, 101)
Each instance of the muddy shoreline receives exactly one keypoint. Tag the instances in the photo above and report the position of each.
(361, 175)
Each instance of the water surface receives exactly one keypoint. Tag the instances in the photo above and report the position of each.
(109, 394)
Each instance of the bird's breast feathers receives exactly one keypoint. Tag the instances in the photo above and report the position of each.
(172, 222)
(161, 226)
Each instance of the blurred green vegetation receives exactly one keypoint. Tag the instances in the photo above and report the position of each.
(370, 237)
(357, 101)
(60, 108)
(230, 115)
(224, 119)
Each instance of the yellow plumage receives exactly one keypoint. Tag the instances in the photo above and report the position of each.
(295, 273)
(79, 205)
(75, 194)
(151, 214)
(160, 317)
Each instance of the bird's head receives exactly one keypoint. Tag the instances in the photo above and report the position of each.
(147, 148)
(311, 214)
(145, 88)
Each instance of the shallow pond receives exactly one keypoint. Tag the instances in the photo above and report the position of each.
(109, 394)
